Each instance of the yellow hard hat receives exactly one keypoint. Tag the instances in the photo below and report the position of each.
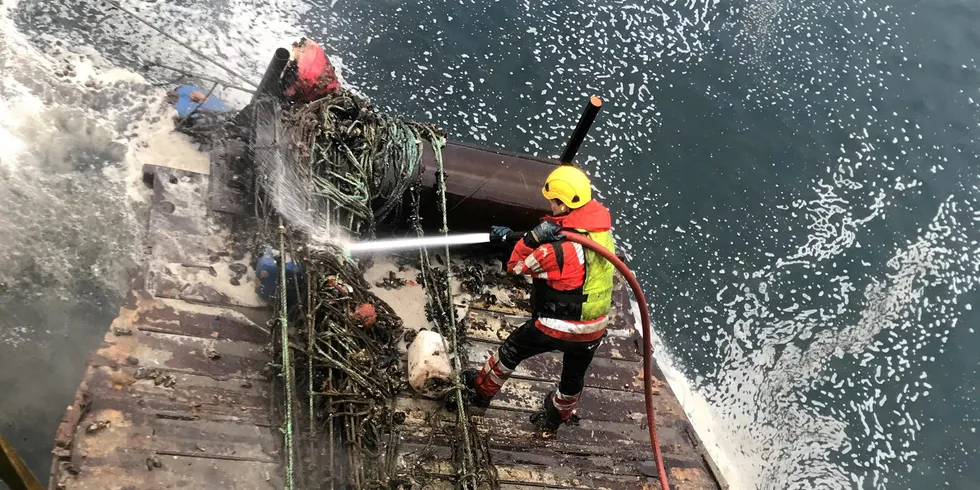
(569, 185)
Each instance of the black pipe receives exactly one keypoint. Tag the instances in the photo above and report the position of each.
(581, 130)
(270, 84)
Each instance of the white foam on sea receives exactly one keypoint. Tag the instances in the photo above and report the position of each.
(64, 165)
(814, 336)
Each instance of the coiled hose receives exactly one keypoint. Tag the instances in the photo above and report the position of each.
(647, 343)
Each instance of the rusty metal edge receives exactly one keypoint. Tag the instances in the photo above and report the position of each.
(13, 471)
(65, 435)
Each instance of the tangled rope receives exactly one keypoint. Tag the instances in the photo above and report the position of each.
(337, 165)
(357, 160)
(341, 434)
(471, 455)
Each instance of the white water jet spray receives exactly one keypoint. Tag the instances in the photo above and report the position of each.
(409, 243)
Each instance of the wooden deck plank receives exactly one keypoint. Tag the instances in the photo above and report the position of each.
(156, 407)
(596, 404)
(593, 471)
(204, 321)
(178, 387)
(131, 471)
(513, 451)
(535, 475)
(222, 440)
(113, 442)
(526, 394)
(446, 484)
(621, 463)
(217, 358)
(106, 429)
(589, 437)
(600, 386)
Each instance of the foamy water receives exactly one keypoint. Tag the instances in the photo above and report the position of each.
(78, 125)
(785, 176)
(65, 166)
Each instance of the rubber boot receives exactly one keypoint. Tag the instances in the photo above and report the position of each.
(477, 399)
(548, 420)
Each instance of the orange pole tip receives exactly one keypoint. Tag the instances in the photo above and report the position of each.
(595, 101)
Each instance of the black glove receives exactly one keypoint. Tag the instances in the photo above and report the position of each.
(545, 232)
(499, 233)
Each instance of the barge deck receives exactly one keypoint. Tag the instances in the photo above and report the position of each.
(180, 394)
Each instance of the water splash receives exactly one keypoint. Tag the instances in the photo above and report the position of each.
(64, 171)
(243, 34)
(75, 132)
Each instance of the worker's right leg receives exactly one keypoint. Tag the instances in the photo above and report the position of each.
(525, 342)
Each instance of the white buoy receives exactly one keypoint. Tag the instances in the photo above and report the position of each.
(429, 372)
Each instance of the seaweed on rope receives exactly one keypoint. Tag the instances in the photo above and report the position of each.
(354, 167)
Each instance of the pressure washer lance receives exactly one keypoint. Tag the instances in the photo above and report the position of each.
(422, 242)
(477, 238)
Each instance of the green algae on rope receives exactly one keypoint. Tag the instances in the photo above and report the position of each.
(287, 365)
(361, 161)
(355, 166)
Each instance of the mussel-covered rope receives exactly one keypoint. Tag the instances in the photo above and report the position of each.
(358, 165)
(361, 162)
(439, 297)
(287, 365)
(449, 331)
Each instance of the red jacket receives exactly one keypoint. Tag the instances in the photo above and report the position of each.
(542, 263)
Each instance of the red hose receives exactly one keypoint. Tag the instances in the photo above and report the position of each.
(647, 344)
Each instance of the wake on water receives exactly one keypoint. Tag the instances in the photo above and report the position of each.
(71, 152)
(76, 127)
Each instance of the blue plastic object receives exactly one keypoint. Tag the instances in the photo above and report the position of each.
(267, 276)
(185, 105)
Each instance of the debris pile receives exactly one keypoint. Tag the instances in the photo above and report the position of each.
(343, 342)
(358, 163)
(337, 165)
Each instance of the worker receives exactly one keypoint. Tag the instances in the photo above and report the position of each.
(571, 297)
